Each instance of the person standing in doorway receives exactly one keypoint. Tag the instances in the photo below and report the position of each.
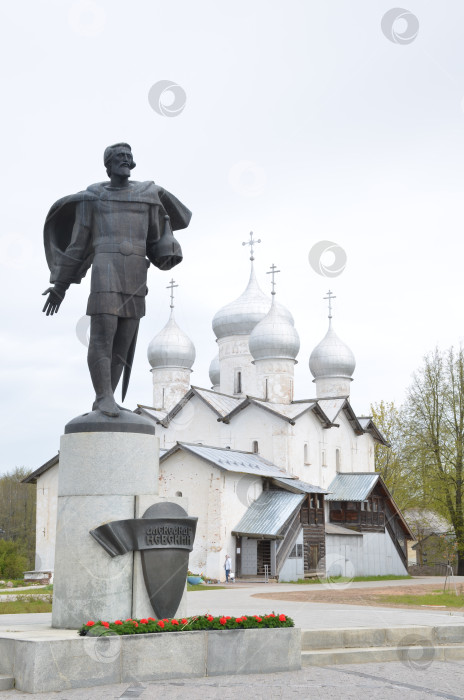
(227, 565)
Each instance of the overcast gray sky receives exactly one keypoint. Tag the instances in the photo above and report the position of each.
(303, 121)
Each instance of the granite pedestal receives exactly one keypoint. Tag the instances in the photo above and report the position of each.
(108, 468)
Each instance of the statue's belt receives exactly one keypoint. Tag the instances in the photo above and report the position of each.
(125, 248)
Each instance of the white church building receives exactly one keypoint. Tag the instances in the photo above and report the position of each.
(286, 487)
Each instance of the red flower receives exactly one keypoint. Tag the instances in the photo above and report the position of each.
(184, 621)
(117, 622)
(258, 619)
(227, 617)
(174, 622)
(129, 619)
(136, 624)
(223, 620)
(144, 621)
(89, 623)
(210, 618)
(244, 617)
(105, 624)
(152, 619)
(238, 619)
(282, 618)
(161, 623)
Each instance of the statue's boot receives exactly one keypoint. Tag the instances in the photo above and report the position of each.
(100, 372)
(107, 405)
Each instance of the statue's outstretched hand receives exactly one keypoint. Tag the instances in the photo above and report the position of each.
(55, 297)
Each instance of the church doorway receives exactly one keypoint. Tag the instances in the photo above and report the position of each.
(263, 557)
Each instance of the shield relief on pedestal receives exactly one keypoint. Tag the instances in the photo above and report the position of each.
(164, 536)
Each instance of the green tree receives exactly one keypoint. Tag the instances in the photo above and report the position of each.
(391, 462)
(434, 416)
(17, 512)
(12, 562)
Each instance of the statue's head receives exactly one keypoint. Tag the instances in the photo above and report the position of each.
(118, 157)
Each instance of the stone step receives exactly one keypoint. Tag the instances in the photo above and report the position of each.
(6, 682)
(362, 637)
(415, 656)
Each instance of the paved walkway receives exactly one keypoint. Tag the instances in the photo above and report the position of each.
(394, 681)
(240, 600)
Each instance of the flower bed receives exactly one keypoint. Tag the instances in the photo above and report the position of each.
(206, 622)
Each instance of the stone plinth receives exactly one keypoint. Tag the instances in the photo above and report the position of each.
(100, 475)
(55, 662)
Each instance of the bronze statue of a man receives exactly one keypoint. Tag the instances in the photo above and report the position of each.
(118, 227)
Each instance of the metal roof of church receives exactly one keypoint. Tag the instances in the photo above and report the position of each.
(268, 514)
(230, 460)
(299, 485)
(351, 487)
(331, 407)
(223, 404)
(289, 410)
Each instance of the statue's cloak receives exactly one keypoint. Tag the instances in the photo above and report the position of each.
(61, 217)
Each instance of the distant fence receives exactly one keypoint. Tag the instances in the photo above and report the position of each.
(432, 569)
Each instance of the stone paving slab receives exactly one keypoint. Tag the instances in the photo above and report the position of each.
(385, 681)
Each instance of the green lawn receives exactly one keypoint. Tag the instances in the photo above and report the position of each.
(343, 579)
(448, 599)
(35, 591)
(202, 587)
(15, 607)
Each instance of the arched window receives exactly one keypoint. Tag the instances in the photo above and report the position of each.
(306, 453)
(337, 460)
(179, 494)
(254, 447)
(324, 463)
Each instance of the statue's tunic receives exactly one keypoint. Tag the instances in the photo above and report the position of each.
(114, 230)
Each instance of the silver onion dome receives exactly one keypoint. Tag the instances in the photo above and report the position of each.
(214, 371)
(171, 348)
(275, 337)
(332, 358)
(241, 316)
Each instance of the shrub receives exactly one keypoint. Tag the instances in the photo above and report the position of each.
(12, 562)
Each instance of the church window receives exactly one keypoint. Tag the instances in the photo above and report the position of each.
(254, 448)
(306, 453)
(324, 463)
(238, 382)
(337, 460)
(179, 494)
